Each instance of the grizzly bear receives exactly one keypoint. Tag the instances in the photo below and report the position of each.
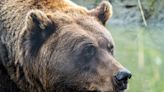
(57, 46)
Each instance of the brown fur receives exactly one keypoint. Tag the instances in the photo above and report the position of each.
(43, 46)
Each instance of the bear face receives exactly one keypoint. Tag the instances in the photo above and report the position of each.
(62, 52)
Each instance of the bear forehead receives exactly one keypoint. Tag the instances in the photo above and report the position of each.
(94, 28)
(86, 30)
(79, 21)
(81, 26)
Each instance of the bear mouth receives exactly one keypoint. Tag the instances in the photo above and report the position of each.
(117, 87)
(120, 86)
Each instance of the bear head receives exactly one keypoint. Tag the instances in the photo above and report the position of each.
(66, 51)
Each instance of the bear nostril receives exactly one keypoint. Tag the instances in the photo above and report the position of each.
(123, 75)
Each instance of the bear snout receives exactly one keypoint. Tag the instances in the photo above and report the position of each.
(123, 74)
(121, 79)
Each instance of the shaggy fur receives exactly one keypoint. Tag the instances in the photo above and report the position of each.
(47, 45)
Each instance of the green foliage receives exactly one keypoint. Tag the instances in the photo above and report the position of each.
(141, 50)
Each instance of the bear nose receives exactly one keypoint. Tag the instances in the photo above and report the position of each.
(123, 74)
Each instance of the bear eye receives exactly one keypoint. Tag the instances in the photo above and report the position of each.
(89, 51)
(110, 48)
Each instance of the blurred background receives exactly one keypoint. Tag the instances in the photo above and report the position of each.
(137, 27)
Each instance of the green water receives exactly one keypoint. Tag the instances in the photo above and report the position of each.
(141, 50)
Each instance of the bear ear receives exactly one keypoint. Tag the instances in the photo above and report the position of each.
(37, 19)
(38, 28)
(103, 11)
